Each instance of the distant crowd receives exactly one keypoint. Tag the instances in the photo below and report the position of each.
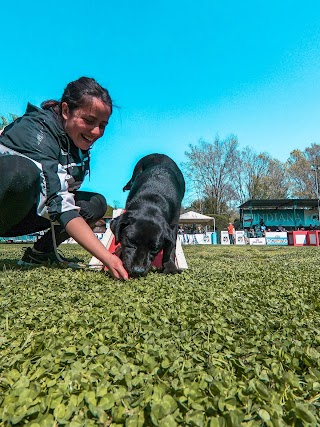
(255, 231)
(259, 230)
(191, 229)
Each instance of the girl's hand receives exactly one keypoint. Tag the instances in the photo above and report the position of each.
(116, 268)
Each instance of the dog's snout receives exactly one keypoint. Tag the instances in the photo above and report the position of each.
(138, 271)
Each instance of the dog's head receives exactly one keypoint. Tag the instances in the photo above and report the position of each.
(141, 240)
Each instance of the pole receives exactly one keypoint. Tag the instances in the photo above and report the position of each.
(317, 187)
(316, 168)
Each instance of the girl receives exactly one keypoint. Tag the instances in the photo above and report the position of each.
(44, 157)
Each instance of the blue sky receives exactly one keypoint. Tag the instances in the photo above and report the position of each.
(179, 70)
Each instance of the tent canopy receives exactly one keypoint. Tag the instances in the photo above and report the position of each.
(194, 218)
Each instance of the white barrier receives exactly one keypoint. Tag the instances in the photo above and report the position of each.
(240, 237)
(197, 238)
(225, 238)
(71, 240)
(257, 241)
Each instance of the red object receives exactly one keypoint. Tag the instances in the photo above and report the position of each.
(157, 262)
(113, 246)
(313, 238)
(298, 238)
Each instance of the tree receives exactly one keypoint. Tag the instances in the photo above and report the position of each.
(4, 121)
(116, 204)
(276, 182)
(209, 170)
(205, 206)
(303, 167)
(259, 176)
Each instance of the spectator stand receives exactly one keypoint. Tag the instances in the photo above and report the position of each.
(292, 214)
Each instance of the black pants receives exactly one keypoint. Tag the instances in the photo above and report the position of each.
(231, 238)
(19, 190)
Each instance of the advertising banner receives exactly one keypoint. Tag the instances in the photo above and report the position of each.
(225, 238)
(240, 237)
(284, 217)
(257, 241)
(276, 238)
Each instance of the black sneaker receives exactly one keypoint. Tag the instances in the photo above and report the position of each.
(30, 257)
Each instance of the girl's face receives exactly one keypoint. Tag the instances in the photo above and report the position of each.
(86, 124)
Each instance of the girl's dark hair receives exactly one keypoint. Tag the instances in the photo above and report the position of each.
(78, 93)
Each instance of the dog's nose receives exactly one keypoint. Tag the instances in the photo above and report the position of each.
(138, 271)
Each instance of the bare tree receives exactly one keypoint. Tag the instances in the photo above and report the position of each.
(4, 121)
(259, 176)
(209, 169)
(303, 168)
(221, 174)
(276, 182)
(116, 204)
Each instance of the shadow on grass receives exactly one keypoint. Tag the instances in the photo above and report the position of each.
(12, 264)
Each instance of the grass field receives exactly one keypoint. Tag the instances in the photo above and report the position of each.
(233, 341)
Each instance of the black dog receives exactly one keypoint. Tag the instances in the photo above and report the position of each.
(150, 223)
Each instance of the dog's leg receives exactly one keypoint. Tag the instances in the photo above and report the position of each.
(169, 254)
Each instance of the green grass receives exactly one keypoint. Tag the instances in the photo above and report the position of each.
(233, 341)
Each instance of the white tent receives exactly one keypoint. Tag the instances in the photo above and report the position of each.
(196, 218)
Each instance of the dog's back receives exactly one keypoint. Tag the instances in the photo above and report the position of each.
(156, 181)
(155, 176)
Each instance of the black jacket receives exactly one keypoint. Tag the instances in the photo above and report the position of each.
(39, 135)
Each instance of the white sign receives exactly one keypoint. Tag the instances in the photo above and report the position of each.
(257, 241)
(195, 239)
(225, 238)
(71, 240)
(240, 237)
(301, 239)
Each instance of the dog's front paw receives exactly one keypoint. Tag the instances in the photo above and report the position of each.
(170, 268)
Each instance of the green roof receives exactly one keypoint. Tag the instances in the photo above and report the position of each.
(279, 203)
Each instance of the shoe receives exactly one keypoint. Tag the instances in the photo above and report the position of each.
(30, 257)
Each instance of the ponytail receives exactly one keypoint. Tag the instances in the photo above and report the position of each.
(51, 103)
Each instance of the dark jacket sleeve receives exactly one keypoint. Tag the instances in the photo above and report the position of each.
(32, 136)
(59, 202)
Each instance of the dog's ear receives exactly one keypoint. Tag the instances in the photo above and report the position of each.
(127, 186)
(118, 224)
(171, 234)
